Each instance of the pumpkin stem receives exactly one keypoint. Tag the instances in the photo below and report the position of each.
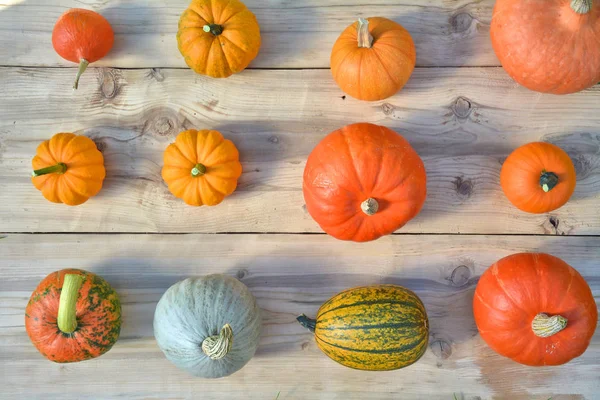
(59, 168)
(370, 206)
(548, 180)
(67, 305)
(217, 347)
(213, 28)
(581, 6)
(365, 39)
(545, 326)
(198, 170)
(83, 64)
(306, 322)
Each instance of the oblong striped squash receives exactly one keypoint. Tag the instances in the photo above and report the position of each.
(374, 328)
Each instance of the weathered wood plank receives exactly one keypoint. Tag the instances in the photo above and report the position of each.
(289, 274)
(295, 34)
(463, 122)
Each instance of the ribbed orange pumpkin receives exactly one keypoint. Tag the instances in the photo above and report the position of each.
(373, 59)
(364, 181)
(218, 38)
(201, 167)
(68, 169)
(550, 46)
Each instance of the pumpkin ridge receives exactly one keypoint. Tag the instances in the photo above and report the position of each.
(390, 325)
(175, 146)
(365, 303)
(572, 272)
(384, 67)
(400, 349)
(502, 286)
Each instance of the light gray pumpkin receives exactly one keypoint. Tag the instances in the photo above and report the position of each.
(208, 326)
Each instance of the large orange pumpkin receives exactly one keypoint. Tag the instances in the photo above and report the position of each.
(73, 315)
(218, 38)
(201, 167)
(83, 37)
(535, 309)
(363, 181)
(550, 46)
(373, 59)
(538, 177)
(68, 169)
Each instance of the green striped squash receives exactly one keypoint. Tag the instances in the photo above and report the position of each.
(374, 328)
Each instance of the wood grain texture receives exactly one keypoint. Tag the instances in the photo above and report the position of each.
(289, 275)
(462, 121)
(295, 34)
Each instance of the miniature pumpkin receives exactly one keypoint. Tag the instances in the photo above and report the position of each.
(375, 328)
(68, 169)
(538, 177)
(363, 181)
(201, 167)
(373, 59)
(73, 315)
(83, 37)
(535, 309)
(218, 38)
(550, 46)
(209, 326)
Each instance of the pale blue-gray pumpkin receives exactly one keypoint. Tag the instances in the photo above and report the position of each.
(208, 326)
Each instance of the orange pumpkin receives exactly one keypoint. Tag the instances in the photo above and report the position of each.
(218, 38)
(68, 169)
(73, 315)
(373, 59)
(538, 177)
(201, 167)
(83, 37)
(363, 181)
(535, 309)
(550, 46)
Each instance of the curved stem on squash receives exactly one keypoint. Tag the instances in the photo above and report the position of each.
(59, 168)
(83, 64)
(365, 39)
(545, 326)
(213, 28)
(217, 347)
(370, 206)
(582, 6)
(306, 322)
(198, 170)
(67, 305)
(548, 180)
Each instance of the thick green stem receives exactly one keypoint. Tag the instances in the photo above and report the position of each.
(582, 6)
(198, 170)
(83, 64)
(545, 326)
(306, 322)
(548, 180)
(67, 305)
(213, 28)
(365, 39)
(59, 168)
(217, 347)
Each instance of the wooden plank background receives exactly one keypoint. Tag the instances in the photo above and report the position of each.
(460, 111)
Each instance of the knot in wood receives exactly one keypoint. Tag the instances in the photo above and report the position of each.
(462, 107)
(274, 139)
(464, 187)
(163, 126)
(156, 73)
(242, 273)
(460, 276)
(441, 348)
(109, 86)
(461, 22)
(387, 108)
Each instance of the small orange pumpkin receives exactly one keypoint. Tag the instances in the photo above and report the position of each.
(201, 167)
(68, 169)
(83, 37)
(218, 38)
(373, 59)
(538, 177)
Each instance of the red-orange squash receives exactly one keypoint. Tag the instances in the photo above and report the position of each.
(68, 169)
(73, 315)
(363, 181)
(201, 167)
(373, 59)
(218, 38)
(535, 309)
(83, 37)
(538, 177)
(550, 46)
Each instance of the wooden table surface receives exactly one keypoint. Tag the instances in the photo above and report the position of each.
(460, 111)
